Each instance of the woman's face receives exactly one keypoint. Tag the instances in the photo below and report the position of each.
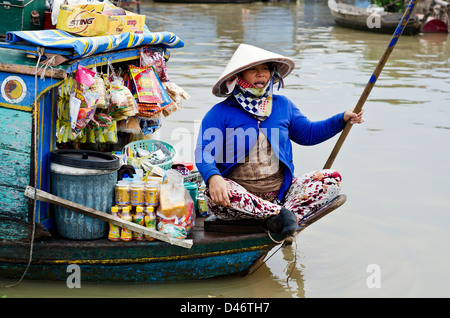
(257, 75)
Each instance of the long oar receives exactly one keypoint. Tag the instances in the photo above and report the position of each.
(372, 80)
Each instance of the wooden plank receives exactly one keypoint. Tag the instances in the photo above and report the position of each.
(47, 197)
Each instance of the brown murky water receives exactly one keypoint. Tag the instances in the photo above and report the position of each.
(391, 237)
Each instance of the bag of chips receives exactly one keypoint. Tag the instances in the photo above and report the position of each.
(145, 84)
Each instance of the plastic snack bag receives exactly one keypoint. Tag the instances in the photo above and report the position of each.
(176, 209)
(166, 100)
(86, 110)
(82, 102)
(111, 133)
(146, 84)
(152, 57)
(176, 94)
(100, 88)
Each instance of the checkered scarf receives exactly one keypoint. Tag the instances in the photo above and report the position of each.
(256, 101)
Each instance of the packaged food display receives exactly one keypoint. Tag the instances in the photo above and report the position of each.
(106, 107)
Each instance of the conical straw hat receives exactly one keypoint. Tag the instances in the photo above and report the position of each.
(247, 56)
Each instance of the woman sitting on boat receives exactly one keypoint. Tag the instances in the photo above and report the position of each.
(244, 150)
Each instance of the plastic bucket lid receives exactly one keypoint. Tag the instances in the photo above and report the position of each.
(85, 159)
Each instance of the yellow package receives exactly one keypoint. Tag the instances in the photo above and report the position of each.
(88, 20)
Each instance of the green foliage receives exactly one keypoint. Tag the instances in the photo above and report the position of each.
(391, 5)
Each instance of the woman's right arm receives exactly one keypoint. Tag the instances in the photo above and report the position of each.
(219, 190)
(209, 147)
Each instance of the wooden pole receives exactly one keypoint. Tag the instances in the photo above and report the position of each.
(372, 80)
(47, 197)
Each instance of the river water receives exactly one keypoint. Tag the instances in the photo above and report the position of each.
(390, 239)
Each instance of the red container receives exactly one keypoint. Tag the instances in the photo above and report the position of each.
(48, 21)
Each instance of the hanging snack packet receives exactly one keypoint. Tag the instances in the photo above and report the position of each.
(149, 110)
(82, 103)
(146, 84)
(150, 125)
(84, 76)
(99, 86)
(86, 110)
(111, 132)
(118, 103)
(152, 57)
(166, 101)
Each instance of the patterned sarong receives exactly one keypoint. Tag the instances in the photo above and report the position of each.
(306, 193)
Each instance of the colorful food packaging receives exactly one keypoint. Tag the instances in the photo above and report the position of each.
(151, 57)
(98, 19)
(176, 209)
(146, 85)
(82, 102)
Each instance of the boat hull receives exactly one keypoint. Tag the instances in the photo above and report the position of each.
(212, 255)
(349, 16)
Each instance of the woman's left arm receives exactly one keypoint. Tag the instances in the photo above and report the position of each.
(306, 132)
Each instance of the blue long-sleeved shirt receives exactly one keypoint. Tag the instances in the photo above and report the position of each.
(228, 133)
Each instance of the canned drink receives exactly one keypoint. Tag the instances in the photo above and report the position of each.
(202, 207)
(152, 193)
(137, 194)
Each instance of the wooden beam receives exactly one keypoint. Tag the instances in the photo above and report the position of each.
(50, 198)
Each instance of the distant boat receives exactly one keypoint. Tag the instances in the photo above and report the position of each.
(437, 18)
(433, 25)
(206, 1)
(350, 16)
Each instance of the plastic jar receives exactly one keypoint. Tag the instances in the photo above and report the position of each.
(137, 193)
(123, 192)
(152, 189)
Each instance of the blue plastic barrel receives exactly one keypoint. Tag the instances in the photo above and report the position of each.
(87, 178)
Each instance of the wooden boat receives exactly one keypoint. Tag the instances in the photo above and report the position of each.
(220, 249)
(28, 240)
(350, 16)
(437, 17)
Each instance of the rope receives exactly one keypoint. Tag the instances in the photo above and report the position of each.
(48, 63)
(294, 265)
(33, 229)
(273, 240)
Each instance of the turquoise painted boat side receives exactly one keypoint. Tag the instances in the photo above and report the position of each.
(17, 158)
(15, 154)
(237, 264)
(19, 87)
(212, 255)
